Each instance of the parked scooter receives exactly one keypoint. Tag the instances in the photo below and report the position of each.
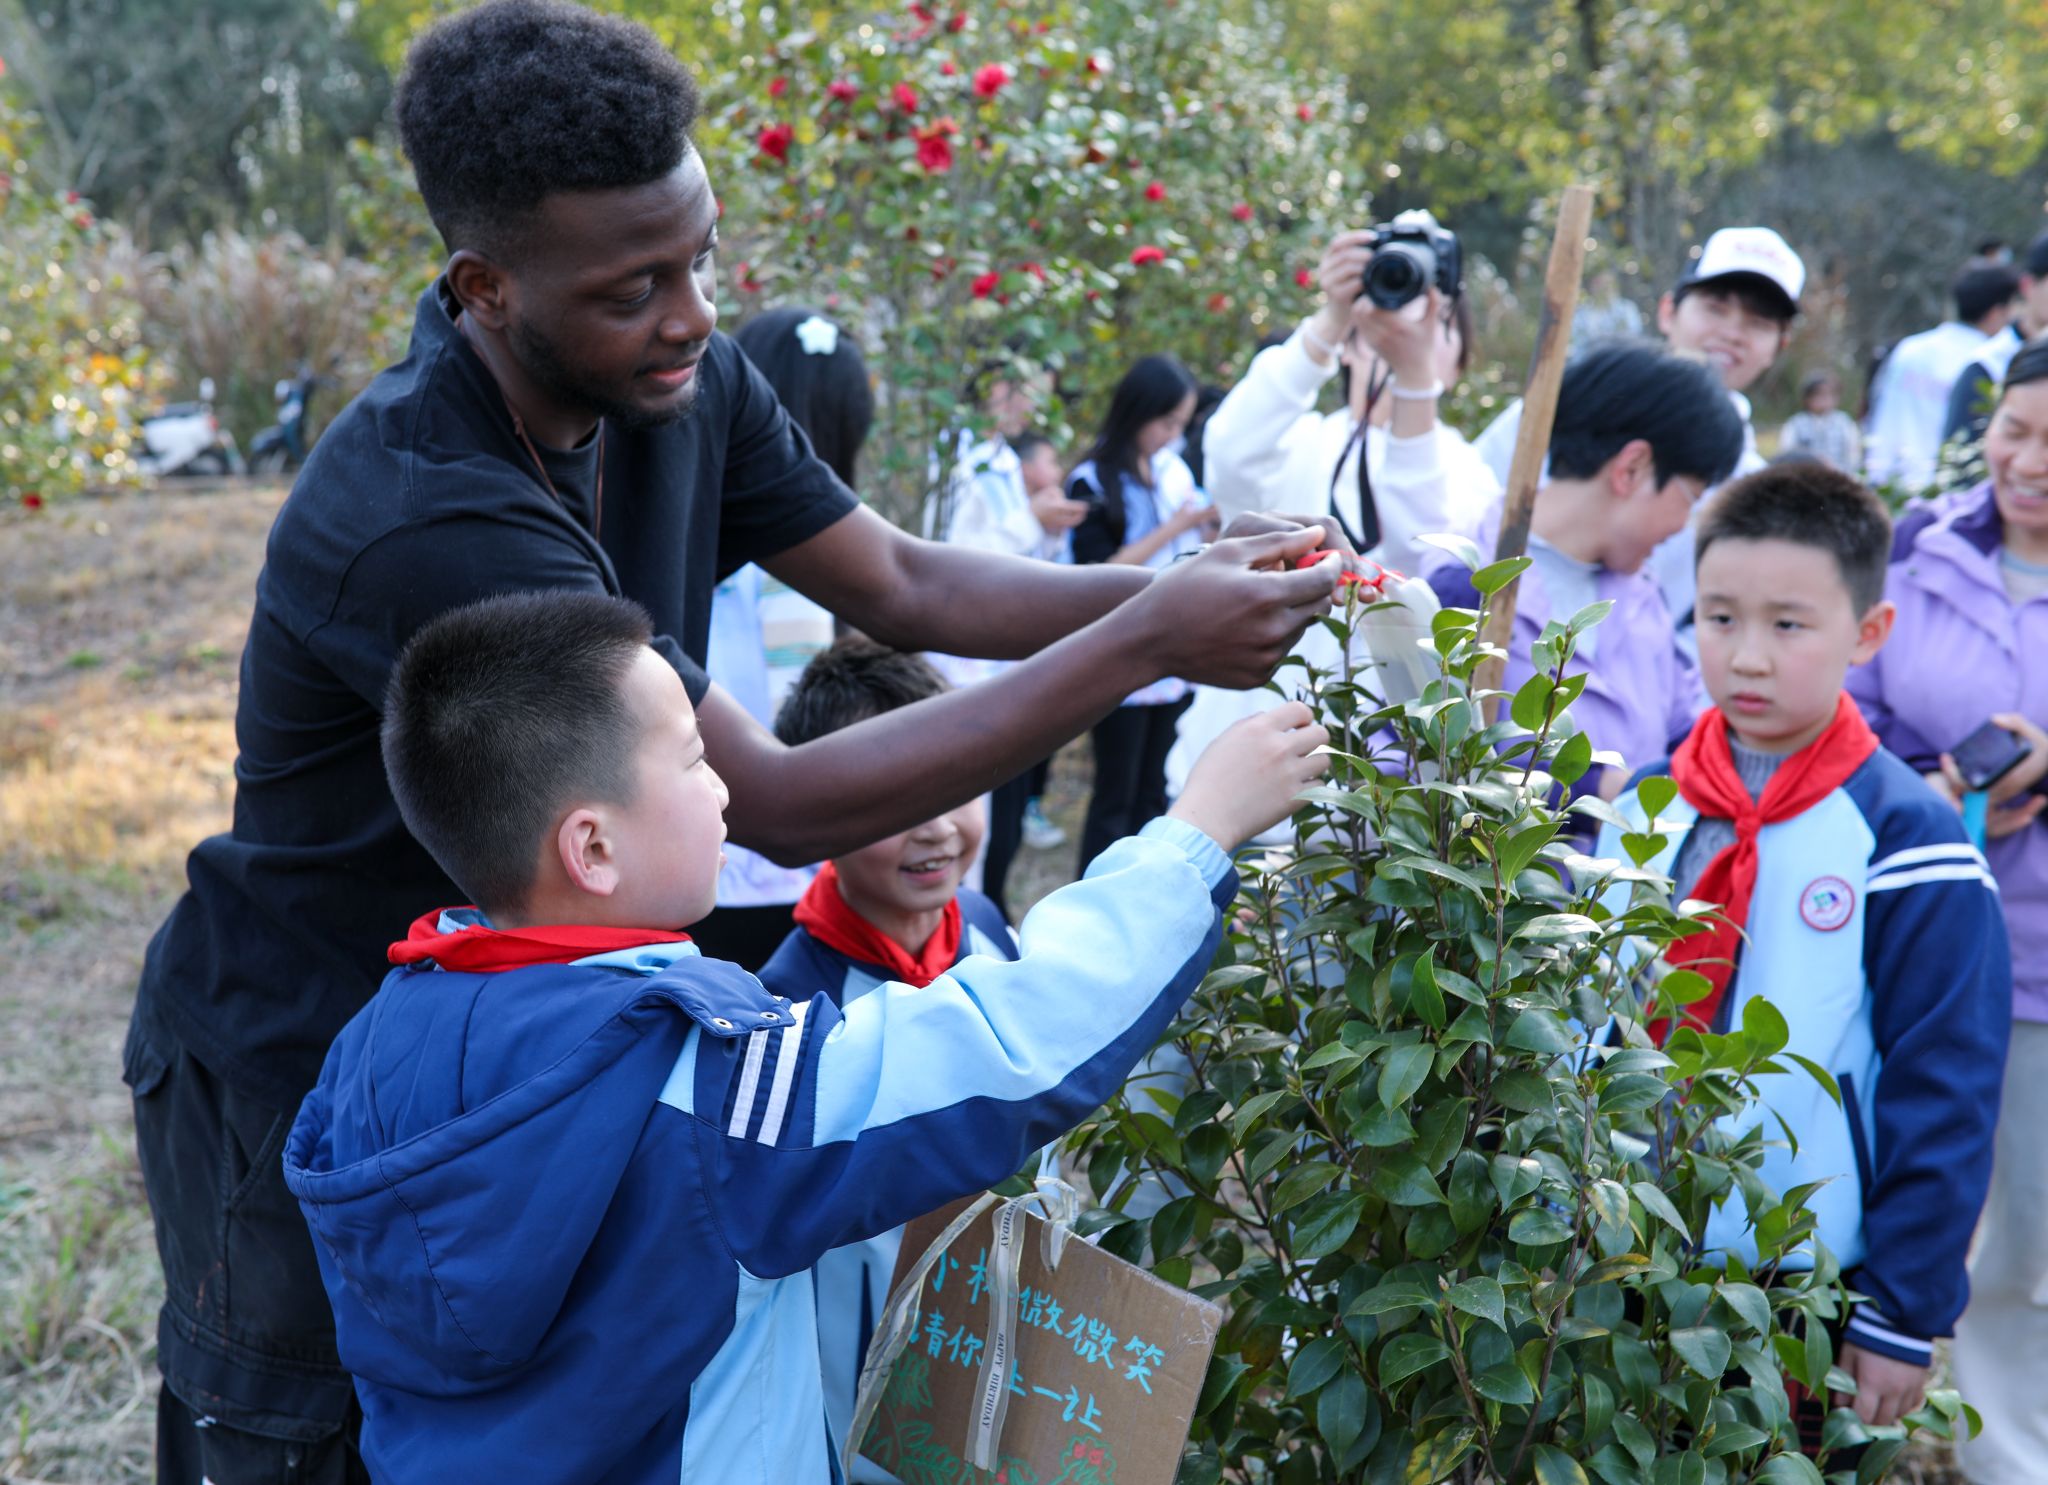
(186, 439)
(282, 446)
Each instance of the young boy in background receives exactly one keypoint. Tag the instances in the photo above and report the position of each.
(892, 911)
(565, 1175)
(1852, 902)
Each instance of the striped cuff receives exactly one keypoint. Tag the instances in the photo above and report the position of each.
(1946, 861)
(1203, 854)
(1869, 1329)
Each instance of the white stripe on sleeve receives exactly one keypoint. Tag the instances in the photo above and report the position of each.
(785, 1074)
(1914, 855)
(750, 1078)
(1960, 871)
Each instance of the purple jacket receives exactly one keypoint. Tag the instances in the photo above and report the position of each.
(1641, 692)
(1960, 651)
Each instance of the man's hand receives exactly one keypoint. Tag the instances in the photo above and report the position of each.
(1247, 779)
(1229, 616)
(1055, 512)
(1259, 522)
(1886, 1390)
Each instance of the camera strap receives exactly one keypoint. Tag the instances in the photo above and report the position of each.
(1369, 534)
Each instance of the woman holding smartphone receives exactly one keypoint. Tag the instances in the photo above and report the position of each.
(1970, 648)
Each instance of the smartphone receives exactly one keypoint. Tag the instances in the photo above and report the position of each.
(1988, 755)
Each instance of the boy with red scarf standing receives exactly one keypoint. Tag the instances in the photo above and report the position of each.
(894, 910)
(1852, 902)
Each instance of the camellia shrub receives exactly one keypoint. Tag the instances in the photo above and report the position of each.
(1458, 1238)
(975, 183)
(71, 364)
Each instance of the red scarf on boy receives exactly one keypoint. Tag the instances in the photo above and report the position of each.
(476, 949)
(823, 914)
(1704, 770)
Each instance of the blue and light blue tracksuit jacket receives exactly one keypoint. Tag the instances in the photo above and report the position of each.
(853, 1281)
(565, 1213)
(1875, 930)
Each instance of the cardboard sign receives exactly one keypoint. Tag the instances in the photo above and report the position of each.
(1109, 1362)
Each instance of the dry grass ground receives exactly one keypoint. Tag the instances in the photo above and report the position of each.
(121, 626)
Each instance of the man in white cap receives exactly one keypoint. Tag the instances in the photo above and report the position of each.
(1909, 403)
(1733, 309)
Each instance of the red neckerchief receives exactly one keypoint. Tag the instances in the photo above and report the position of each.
(1704, 770)
(824, 914)
(475, 949)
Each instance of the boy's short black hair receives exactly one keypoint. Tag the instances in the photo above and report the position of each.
(1024, 445)
(1978, 291)
(1625, 390)
(853, 680)
(504, 105)
(2035, 262)
(1816, 505)
(502, 714)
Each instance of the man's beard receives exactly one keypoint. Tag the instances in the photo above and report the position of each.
(547, 369)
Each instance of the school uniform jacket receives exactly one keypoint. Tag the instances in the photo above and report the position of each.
(1874, 930)
(565, 1213)
(853, 1281)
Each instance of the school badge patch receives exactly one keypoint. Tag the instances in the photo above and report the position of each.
(1828, 903)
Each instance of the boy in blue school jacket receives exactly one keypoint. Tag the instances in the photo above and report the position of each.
(1854, 904)
(892, 911)
(565, 1176)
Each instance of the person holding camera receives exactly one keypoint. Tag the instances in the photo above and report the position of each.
(1393, 325)
(1962, 695)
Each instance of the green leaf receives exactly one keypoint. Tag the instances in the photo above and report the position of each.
(1173, 1225)
(1535, 1227)
(1497, 575)
(1556, 927)
(1763, 1027)
(1635, 1438)
(1655, 794)
(1732, 1438)
(1405, 1181)
(1313, 1365)
(1325, 1223)
(1206, 1149)
(1572, 760)
(1819, 1074)
(1704, 1348)
(1555, 1467)
(1748, 1302)
(1530, 708)
(1249, 1111)
(1789, 1469)
(1344, 1413)
(1504, 1384)
(1405, 1070)
(1516, 851)
(1379, 1129)
(1408, 1353)
(1395, 1294)
(1471, 1191)
(1541, 1031)
(1424, 998)
(1482, 1297)
(1230, 976)
(1659, 1205)
(1523, 1090)
(1607, 1270)
(1222, 1377)
(1461, 547)
(1304, 1181)
(1515, 1178)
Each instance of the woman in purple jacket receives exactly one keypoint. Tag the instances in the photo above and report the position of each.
(1970, 646)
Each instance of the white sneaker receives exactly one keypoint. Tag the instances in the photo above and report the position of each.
(1040, 833)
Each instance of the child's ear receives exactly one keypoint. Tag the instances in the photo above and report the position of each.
(584, 846)
(1632, 464)
(1667, 311)
(1872, 630)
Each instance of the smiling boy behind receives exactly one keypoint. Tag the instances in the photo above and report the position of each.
(1853, 903)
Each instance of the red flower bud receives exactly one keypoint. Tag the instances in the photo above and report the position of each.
(1218, 303)
(1155, 192)
(1242, 211)
(957, 23)
(1303, 277)
(1140, 256)
(1092, 295)
(775, 141)
(985, 284)
(910, 234)
(842, 90)
(1033, 269)
(1096, 66)
(777, 87)
(947, 69)
(32, 500)
(990, 80)
(71, 198)
(1305, 113)
(906, 97)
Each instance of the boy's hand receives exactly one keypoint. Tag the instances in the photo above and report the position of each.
(1886, 1390)
(1246, 781)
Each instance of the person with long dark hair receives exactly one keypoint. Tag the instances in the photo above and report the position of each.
(763, 631)
(1144, 509)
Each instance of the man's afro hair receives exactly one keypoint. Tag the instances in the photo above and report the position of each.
(515, 100)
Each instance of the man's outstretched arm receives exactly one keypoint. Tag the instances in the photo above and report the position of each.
(1230, 615)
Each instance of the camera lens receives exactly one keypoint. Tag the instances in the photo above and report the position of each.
(1397, 273)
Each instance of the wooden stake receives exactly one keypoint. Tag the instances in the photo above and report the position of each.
(1539, 412)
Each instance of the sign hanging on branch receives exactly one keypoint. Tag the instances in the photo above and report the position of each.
(1106, 1364)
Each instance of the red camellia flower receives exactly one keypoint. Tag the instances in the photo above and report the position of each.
(1033, 269)
(985, 284)
(947, 69)
(71, 198)
(990, 80)
(1305, 113)
(1242, 211)
(935, 147)
(1140, 256)
(777, 87)
(1155, 192)
(1093, 295)
(1303, 277)
(1218, 303)
(842, 90)
(775, 141)
(957, 23)
(32, 500)
(906, 97)
(1096, 65)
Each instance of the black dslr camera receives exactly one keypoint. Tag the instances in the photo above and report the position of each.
(1408, 255)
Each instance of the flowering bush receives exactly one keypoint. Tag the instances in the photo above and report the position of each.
(974, 182)
(1455, 1241)
(70, 363)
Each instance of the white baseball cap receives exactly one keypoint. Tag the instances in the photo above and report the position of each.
(1754, 253)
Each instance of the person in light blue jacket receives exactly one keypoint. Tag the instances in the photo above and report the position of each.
(566, 1177)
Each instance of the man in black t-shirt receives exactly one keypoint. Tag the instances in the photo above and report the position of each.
(566, 418)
